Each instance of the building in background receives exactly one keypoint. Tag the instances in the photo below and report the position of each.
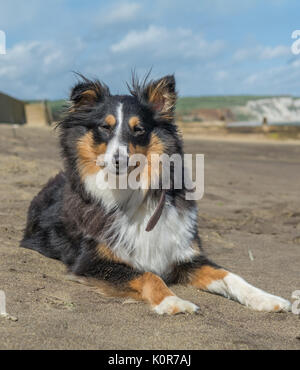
(37, 113)
(11, 110)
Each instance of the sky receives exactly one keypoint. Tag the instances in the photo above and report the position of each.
(214, 47)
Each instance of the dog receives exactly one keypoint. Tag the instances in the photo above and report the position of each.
(128, 242)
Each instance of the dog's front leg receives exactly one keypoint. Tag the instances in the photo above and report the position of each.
(152, 289)
(207, 276)
(112, 277)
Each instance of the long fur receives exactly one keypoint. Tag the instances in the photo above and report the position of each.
(101, 234)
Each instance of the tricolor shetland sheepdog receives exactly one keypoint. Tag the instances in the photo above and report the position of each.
(128, 242)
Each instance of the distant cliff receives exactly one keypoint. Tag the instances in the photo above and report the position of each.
(276, 109)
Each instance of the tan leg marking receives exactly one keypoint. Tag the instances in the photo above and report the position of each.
(204, 276)
(232, 286)
(148, 287)
(151, 288)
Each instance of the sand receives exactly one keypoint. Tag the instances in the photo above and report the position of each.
(251, 208)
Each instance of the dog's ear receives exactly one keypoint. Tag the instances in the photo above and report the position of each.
(88, 93)
(161, 94)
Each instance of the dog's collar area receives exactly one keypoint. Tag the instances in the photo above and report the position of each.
(157, 213)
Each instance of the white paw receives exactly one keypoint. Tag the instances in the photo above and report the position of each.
(172, 305)
(268, 302)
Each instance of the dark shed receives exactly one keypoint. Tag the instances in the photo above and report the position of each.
(11, 110)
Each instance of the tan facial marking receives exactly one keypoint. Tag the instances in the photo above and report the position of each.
(206, 275)
(133, 121)
(110, 120)
(155, 146)
(137, 149)
(87, 155)
(151, 288)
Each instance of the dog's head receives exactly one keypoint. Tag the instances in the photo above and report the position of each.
(103, 130)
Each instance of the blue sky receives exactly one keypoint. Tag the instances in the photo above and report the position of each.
(214, 47)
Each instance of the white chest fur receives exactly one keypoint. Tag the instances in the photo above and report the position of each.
(157, 251)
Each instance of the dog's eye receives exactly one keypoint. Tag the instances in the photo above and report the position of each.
(138, 130)
(105, 127)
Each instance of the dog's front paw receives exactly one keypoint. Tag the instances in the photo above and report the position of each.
(172, 305)
(269, 303)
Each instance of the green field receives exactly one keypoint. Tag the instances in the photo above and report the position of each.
(185, 104)
(57, 107)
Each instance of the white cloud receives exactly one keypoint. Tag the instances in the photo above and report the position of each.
(275, 52)
(30, 68)
(261, 53)
(161, 42)
(120, 12)
(17, 13)
(221, 75)
(135, 39)
(276, 80)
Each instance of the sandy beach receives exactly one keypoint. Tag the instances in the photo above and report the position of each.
(249, 220)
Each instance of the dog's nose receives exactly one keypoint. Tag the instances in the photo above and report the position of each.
(117, 160)
(120, 161)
